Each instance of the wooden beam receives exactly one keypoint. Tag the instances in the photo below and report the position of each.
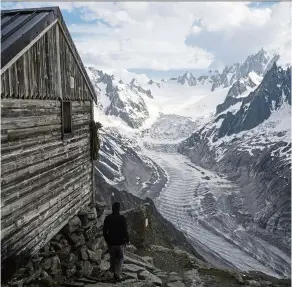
(75, 58)
(59, 85)
(15, 58)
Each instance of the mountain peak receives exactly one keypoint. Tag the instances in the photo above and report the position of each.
(134, 82)
(261, 51)
(188, 78)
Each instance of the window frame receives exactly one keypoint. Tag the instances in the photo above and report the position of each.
(70, 133)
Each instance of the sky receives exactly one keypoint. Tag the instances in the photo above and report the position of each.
(163, 40)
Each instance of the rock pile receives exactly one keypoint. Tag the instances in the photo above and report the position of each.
(77, 256)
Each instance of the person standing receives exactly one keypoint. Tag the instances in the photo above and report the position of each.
(116, 235)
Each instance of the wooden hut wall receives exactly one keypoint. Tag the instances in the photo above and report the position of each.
(44, 179)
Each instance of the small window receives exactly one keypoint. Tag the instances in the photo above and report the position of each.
(67, 118)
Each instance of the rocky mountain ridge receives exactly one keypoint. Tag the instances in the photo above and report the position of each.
(125, 101)
(246, 142)
(251, 144)
(258, 63)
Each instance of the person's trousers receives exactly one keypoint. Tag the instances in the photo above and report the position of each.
(116, 253)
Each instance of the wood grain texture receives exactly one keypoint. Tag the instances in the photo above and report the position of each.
(35, 75)
(44, 179)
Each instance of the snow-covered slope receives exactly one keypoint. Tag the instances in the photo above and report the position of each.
(258, 63)
(251, 143)
(230, 190)
(126, 101)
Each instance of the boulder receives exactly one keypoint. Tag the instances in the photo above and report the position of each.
(92, 214)
(146, 275)
(130, 275)
(104, 265)
(100, 207)
(70, 271)
(94, 256)
(132, 268)
(95, 244)
(64, 252)
(67, 261)
(73, 225)
(94, 230)
(148, 259)
(36, 262)
(84, 268)
(76, 240)
(131, 248)
(55, 266)
(82, 253)
(46, 263)
(173, 278)
(142, 264)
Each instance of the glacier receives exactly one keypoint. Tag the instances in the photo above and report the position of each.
(169, 149)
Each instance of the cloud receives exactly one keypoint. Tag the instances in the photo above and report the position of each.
(248, 30)
(175, 35)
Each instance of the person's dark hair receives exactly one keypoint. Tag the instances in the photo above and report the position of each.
(116, 207)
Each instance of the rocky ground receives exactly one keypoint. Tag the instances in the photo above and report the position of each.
(77, 256)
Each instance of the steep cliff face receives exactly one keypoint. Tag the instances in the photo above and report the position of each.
(250, 143)
(126, 101)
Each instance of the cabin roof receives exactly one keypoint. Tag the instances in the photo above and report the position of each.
(19, 27)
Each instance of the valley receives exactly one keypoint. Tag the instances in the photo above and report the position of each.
(214, 155)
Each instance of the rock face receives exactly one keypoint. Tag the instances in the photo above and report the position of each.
(250, 144)
(125, 169)
(125, 101)
(258, 63)
(187, 78)
(237, 91)
(274, 90)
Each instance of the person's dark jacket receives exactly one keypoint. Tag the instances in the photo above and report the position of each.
(115, 229)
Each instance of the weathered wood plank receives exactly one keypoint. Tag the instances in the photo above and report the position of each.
(16, 147)
(40, 192)
(10, 82)
(32, 158)
(29, 104)
(25, 77)
(28, 132)
(57, 203)
(52, 226)
(36, 145)
(15, 81)
(29, 122)
(33, 184)
(6, 84)
(26, 211)
(32, 229)
(25, 112)
(83, 197)
(61, 220)
(23, 173)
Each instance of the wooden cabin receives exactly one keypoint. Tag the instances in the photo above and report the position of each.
(46, 115)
